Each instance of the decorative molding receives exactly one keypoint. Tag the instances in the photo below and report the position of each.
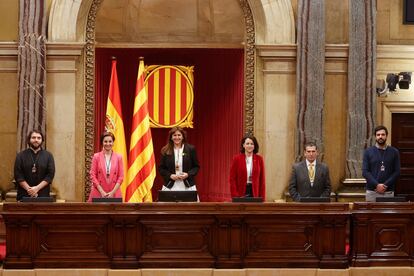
(65, 49)
(395, 52)
(276, 51)
(8, 49)
(250, 56)
(170, 45)
(332, 51)
(90, 91)
(250, 62)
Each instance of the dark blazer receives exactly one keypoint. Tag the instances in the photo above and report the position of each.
(300, 186)
(238, 176)
(190, 166)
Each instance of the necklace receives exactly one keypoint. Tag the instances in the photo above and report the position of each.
(34, 169)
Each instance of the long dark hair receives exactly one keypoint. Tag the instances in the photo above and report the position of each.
(168, 149)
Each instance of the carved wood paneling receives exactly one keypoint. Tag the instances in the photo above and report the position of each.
(382, 234)
(220, 235)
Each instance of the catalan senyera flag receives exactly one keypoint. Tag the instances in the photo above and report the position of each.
(170, 95)
(141, 163)
(114, 122)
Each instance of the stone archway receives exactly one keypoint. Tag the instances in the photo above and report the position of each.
(267, 23)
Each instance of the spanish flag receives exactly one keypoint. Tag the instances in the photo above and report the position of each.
(114, 122)
(141, 165)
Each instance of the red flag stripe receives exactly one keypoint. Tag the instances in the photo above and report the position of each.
(139, 116)
(113, 88)
(143, 173)
(162, 95)
(183, 97)
(141, 144)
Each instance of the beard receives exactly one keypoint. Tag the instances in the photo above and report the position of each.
(381, 141)
(35, 146)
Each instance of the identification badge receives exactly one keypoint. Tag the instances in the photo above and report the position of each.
(382, 168)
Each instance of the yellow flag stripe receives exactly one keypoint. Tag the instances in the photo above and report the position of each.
(120, 142)
(144, 188)
(140, 131)
(156, 96)
(140, 99)
(140, 161)
(177, 97)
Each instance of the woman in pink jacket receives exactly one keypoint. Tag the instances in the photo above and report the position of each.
(107, 170)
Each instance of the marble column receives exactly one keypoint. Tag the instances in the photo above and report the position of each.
(31, 69)
(310, 82)
(361, 85)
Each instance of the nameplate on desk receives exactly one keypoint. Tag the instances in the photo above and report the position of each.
(106, 199)
(177, 196)
(247, 199)
(314, 199)
(37, 199)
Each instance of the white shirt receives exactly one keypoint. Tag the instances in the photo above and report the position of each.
(249, 168)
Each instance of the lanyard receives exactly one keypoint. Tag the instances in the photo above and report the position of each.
(108, 164)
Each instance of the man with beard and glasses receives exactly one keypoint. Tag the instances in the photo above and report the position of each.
(380, 166)
(34, 168)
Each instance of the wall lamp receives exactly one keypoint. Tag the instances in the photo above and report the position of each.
(402, 79)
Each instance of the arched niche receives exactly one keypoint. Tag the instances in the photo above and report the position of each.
(266, 22)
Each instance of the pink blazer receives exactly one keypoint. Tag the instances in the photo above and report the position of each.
(98, 174)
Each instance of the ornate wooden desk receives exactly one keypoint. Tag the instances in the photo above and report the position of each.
(382, 234)
(166, 235)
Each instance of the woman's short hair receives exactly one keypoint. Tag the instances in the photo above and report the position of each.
(251, 137)
(106, 134)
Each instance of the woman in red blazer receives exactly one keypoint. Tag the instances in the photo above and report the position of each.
(247, 172)
(107, 171)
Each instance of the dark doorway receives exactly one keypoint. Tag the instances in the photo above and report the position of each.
(403, 139)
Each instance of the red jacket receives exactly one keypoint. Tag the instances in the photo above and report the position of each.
(238, 176)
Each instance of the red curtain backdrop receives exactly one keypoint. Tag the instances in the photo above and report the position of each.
(218, 107)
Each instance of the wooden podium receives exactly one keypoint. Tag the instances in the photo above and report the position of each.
(382, 234)
(175, 235)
